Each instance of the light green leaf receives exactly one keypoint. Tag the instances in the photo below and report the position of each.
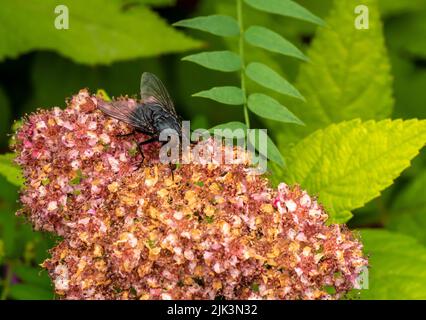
(233, 125)
(226, 95)
(273, 153)
(219, 25)
(269, 108)
(285, 8)
(9, 170)
(350, 163)
(265, 76)
(348, 76)
(103, 94)
(100, 32)
(397, 266)
(269, 40)
(22, 291)
(225, 61)
(408, 212)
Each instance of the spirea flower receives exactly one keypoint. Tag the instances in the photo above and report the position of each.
(138, 232)
(69, 158)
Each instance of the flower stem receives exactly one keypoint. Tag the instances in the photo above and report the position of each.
(241, 48)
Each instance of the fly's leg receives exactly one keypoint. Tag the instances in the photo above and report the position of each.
(140, 144)
(126, 134)
(172, 167)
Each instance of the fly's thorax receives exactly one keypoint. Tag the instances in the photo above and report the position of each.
(163, 120)
(167, 123)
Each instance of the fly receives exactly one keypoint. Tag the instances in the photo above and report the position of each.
(153, 114)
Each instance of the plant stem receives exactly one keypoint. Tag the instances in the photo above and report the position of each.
(7, 280)
(241, 48)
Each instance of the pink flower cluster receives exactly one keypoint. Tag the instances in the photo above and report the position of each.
(136, 232)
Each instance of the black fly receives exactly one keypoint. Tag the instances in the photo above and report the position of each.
(153, 114)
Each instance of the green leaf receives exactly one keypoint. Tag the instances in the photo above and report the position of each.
(269, 108)
(273, 153)
(404, 33)
(226, 95)
(219, 25)
(265, 76)
(117, 79)
(269, 40)
(155, 3)
(408, 212)
(225, 61)
(350, 163)
(33, 275)
(230, 125)
(395, 7)
(22, 291)
(233, 125)
(285, 8)
(9, 170)
(348, 75)
(103, 94)
(410, 95)
(111, 34)
(397, 266)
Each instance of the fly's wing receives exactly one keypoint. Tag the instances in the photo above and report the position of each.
(153, 91)
(124, 110)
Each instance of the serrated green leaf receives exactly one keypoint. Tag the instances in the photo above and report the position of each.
(269, 40)
(219, 25)
(273, 153)
(22, 291)
(350, 163)
(265, 76)
(111, 35)
(269, 108)
(408, 212)
(9, 170)
(225, 61)
(285, 8)
(396, 266)
(226, 95)
(348, 75)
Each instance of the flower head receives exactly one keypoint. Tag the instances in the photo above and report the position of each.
(207, 231)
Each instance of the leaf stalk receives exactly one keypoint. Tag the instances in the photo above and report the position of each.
(241, 51)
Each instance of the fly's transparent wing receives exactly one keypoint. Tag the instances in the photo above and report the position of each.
(153, 91)
(124, 110)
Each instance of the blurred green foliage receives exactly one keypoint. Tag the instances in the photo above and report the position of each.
(110, 43)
